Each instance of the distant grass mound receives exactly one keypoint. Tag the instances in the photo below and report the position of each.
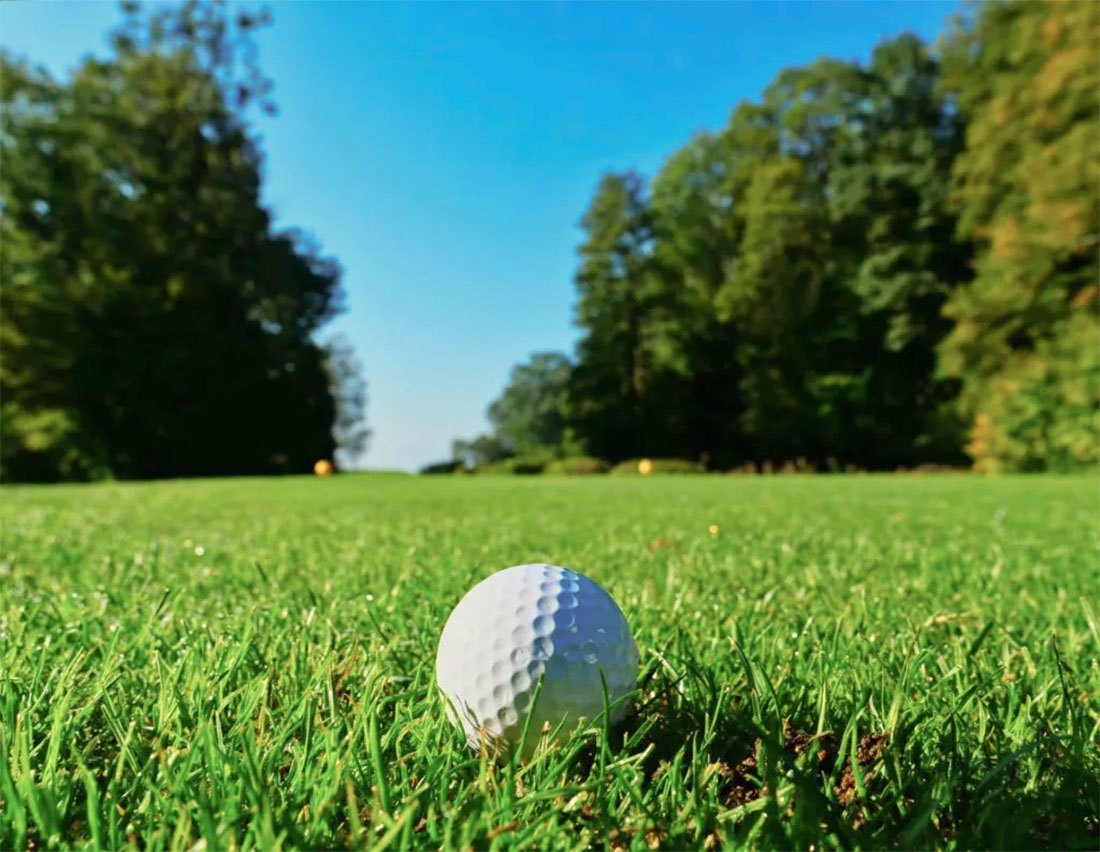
(837, 662)
(647, 467)
(577, 466)
(523, 465)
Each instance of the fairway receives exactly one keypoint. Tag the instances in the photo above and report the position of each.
(878, 661)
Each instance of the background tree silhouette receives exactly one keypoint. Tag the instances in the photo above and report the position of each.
(154, 323)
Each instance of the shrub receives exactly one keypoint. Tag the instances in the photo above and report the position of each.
(658, 466)
(47, 445)
(449, 466)
(576, 466)
(516, 465)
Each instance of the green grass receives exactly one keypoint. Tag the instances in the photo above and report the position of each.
(249, 663)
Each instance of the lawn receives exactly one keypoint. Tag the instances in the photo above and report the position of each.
(847, 661)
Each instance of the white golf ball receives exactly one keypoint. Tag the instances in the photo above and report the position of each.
(518, 625)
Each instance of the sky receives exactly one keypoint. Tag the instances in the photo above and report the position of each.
(444, 153)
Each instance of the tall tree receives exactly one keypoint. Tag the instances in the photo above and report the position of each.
(617, 288)
(868, 152)
(894, 235)
(785, 287)
(787, 297)
(349, 393)
(691, 203)
(530, 417)
(153, 323)
(531, 412)
(1026, 343)
(777, 289)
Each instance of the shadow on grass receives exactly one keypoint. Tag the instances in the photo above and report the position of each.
(778, 784)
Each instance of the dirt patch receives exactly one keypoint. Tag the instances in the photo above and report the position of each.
(741, 781)
(797, 743)
(738, 785)
(868, 754)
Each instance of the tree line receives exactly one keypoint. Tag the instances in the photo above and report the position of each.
(878, 264)
(153, 321)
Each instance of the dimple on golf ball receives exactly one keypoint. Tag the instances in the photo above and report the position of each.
(523, 623)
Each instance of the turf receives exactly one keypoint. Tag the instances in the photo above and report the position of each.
(857, 662)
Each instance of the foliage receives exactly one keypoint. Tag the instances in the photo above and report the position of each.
(857, 268)
(617, 292)
(449, 466)
(45, 444)
(1026, 341)
(630, 467)
(529, 418)
(576, 466)
(242, 664)
(152, 321)
(527, 465)
(778, 292)
(482, 450)
(699, 397)
(349, 393)
(530, 413)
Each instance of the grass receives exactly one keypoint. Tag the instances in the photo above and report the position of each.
(874, 662)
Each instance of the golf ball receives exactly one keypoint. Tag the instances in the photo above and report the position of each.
(523, 623)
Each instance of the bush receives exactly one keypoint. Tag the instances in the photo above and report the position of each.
(47, 445)
(576, 466)
(1040, 412)
(450, 466)
(516, 465)
(657, 466)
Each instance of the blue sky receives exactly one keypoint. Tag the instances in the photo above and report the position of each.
(444, 153)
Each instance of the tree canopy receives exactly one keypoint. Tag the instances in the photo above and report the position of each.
(878, 264)
(777, 294)
(1025, 343)
(154, 322)
(530, 416)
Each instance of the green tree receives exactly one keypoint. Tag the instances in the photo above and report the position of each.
(776, 290)
(530, 414)
(618, 289)
(153, 322)
(349, 393)
(529, 418)
(778, 293)
(1026, 343)
(846, 258)
(478, 451)
(893, 236)
(691, 204)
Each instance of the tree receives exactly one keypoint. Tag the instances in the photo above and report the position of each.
(349, 392)
(694, 344)
(1026, 344)
(800, 282)
(617, 292)
(893, 237)
(530, 414)
(778, 292)
(529, 418)
(153, 323)
(478, 451)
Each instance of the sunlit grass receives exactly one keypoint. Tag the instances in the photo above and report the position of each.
(881, 662)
